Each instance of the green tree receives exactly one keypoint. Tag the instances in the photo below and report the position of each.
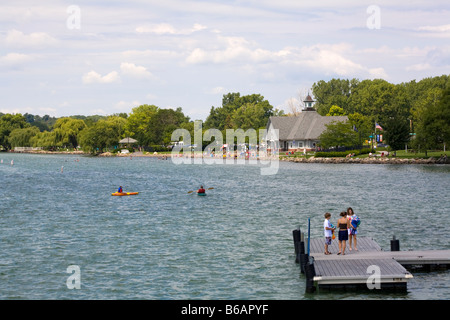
(430, 96)
(362, 125)
(396, 133)
(250, 116)
(45, 139)
(336, 111)
(334, 92)
(21, 137)
(163, 123)
(118, 123)
(220, 118)
(379, 100)
(67, 129)
(102, 135)
(433, 130)
(138, 123)
(8, 123)
(228, 116)
(338, 134)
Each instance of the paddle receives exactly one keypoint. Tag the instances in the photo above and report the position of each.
(206, 189)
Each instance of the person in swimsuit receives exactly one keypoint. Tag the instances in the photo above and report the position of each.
(343, 224)
(352, 232)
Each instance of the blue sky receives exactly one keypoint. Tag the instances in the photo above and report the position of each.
(102, 57)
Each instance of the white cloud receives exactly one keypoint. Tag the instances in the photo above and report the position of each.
(337, 59)
(217, 90)
(233, 49)
(133, 70)
(18, 39)
(443, 28)
(419, 67)
(126, 69)
(94, 77)
(100, 112)
(16, 110)
(166, 28)
(14, 59)
(121, 105)
(442, 31)
(250, 46)
(50, 110)
(328, 59)
(151, 96)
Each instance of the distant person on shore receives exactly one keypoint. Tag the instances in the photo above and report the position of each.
(120, 190)
(201, 190)
(352, 231)
(328, 231)
(343, 225)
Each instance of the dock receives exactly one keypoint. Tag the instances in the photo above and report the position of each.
(356, 268)
(367, 268)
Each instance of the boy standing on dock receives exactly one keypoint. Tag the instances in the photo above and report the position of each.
(328, 229)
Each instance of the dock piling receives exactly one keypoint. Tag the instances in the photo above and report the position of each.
(303, 261)
(296, 236)
(310, 273)
(395, 244)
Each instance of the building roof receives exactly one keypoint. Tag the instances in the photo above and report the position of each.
(306, 126)
(128, 140)
(308, 99)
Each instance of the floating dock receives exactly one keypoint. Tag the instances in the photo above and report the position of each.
(357, 268)
(369, 267)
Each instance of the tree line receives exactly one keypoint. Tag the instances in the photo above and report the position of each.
(148, 124)
(414, 113)
(413, 109)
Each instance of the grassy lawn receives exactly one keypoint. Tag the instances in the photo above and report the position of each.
(401, 154)
(412, 155)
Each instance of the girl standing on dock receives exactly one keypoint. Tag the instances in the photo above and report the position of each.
(343, 224)
(352, 232)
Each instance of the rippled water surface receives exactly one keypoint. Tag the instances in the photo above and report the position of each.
(235, 243)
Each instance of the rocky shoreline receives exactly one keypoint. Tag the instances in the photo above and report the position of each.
(373, 160)
(370, 160)
(49, 152)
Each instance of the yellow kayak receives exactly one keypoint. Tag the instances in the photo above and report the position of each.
(124, 193)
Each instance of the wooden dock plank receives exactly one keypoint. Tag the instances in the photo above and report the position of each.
(357, 271)
(365, 244)
(353, 267)
(403, 257)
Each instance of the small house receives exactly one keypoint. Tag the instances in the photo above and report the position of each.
(301, 132)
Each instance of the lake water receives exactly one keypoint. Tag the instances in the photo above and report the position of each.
(235, 243)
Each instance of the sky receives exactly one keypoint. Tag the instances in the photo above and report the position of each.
(82, 57)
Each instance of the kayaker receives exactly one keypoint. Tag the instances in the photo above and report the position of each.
(201, 190)
(120, 190)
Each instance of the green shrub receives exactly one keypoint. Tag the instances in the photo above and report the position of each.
(158, 148)
(341, 154)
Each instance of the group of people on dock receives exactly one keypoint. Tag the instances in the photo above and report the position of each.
(348, 224)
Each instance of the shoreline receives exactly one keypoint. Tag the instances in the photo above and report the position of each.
(373, 160)
(336, 160)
